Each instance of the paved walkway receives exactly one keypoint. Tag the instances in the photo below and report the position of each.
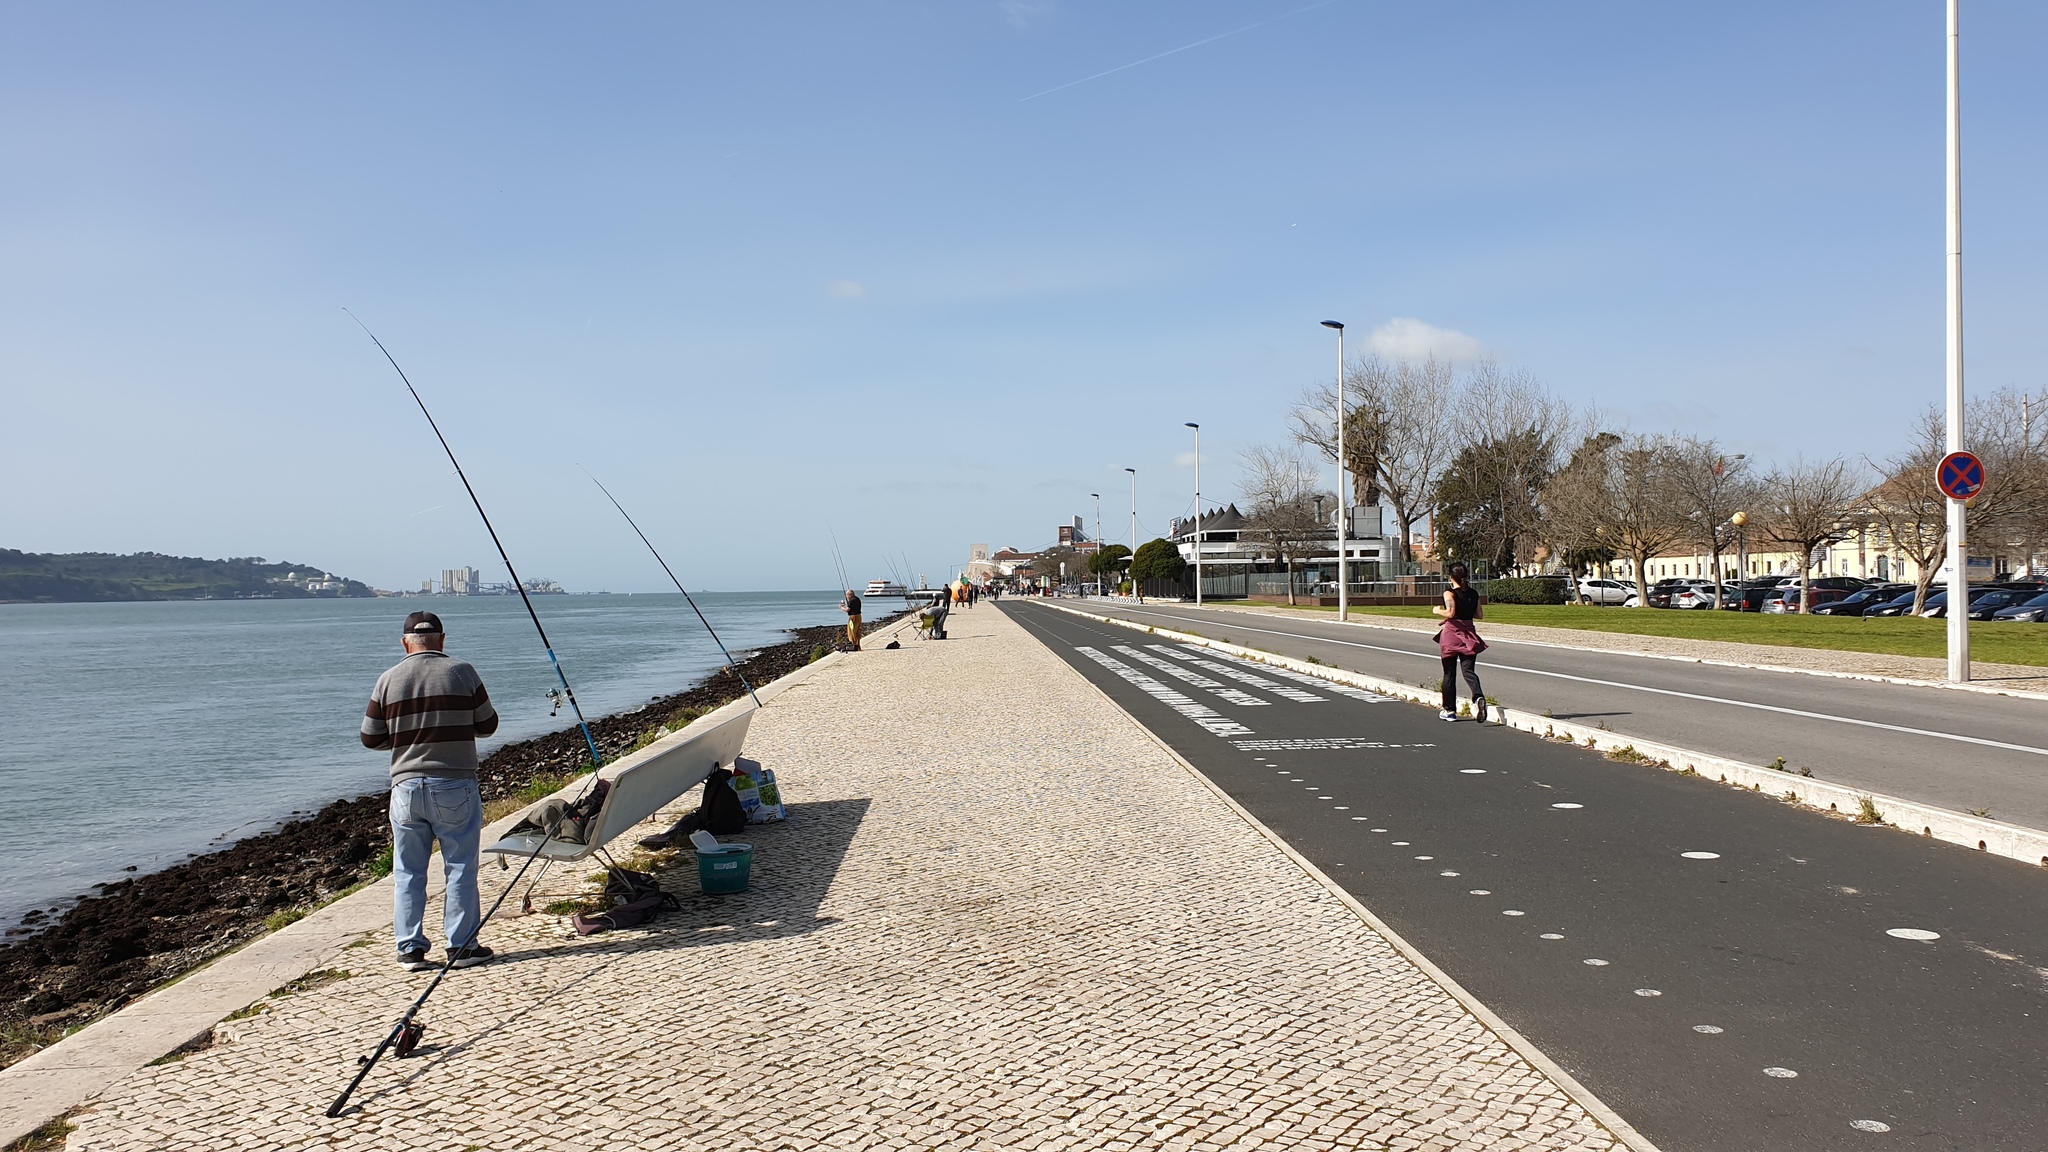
(1000, 917)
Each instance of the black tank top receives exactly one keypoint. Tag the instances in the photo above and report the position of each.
(1464, 603)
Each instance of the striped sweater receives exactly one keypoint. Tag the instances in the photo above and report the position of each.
(429, 708)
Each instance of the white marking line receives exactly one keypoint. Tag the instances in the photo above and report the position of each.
(1472, 771)
(1870, 1126)
(1216, 687)
(1364, 818)
(1597, 963)
(1242, 677)
(1701, 855)
(1781, 1073)
(1201, 714)
(1200, 658)
(1800, 712)
(1648, 992)
(1551, 936)
(1912, 933)
(1447, 873)
(1567, 805)
(1321, 744)
(1706, 1029)
(1400, 843)
(1425, 857)
(1482, 892)
(1512, 912)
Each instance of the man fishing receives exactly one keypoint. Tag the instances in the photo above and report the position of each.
(428, 709)
(851, 606)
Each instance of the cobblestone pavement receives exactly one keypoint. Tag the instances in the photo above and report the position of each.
(999, 917)
(2010, 677)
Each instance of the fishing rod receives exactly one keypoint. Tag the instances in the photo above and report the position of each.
(405, 1035)
(518, 585)
(730, 664)
(837, 559)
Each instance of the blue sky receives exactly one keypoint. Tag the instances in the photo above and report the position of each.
(769, 269)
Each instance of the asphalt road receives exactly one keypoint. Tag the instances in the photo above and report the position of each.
(1957, 750)
(1719, 967)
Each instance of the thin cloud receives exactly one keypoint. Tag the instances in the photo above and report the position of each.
(1024, 13)
(1182, 48)
(846, 290)
(1406, 338)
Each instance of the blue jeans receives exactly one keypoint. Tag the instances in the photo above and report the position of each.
(423, 811)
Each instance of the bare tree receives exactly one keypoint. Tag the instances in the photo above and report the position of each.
(1909, 506)
(1708, 486)
(1575, 508)
(1398, 434)
(1279, 488)
(1811, 505)
(1643, 516)
(1509, 427)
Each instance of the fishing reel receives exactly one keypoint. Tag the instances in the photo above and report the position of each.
(409, 1038)
(554, 701)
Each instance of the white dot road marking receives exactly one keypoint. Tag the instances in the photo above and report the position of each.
(1782, 1073)
(1567, 805)
(1326, 797)
(1425, 857)
(1379, 829)
(1551, 936)
(1481, 892)
(1345, 808)
(1978, 740)
(1706, 1029)
(1912, 933)
(1368, 818)
(1512, 912)
(1597, 963)
(1870, 1126)
(1473, 771)
(1648, 992)
(1701, 855)
(1447, 873)
(1401, 844)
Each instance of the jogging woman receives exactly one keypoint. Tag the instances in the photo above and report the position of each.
(1459, 642)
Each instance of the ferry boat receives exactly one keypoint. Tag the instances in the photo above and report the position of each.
(886, 589)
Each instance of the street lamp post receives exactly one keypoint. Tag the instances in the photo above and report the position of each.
(1134, 534)
(1958, 517)
(1343, 489)
(1198, 512)
(1741, 544)
(1098, 541)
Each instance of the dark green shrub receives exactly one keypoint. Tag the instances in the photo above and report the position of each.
(1525, 590)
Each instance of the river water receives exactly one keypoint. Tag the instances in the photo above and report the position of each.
(140, 734)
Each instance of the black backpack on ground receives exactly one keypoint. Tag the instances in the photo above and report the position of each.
(720, 813)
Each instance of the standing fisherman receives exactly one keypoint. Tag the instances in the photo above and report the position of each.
(429, 708)
(851, 606)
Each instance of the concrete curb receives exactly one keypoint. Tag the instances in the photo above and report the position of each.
(1873, 677)
(2024, 844)
(1603, 1115)
(67, 1074)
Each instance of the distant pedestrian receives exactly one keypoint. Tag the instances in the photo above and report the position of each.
(851, 606)
(428, 709)
(1458, 641)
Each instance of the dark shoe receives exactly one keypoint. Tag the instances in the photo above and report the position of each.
(469, 957)
(414, 960)
(658, 840)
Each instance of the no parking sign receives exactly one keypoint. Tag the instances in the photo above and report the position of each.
(1960, 475)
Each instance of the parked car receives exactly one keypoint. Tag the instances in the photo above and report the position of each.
(1785, 600)
(1746, 595)
(1692, 596)
(1606, 591)
(2033, 610)
(1937, 603)
(1863, 599)
(1986, 605)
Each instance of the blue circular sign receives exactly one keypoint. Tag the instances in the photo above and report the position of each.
(1960, 475)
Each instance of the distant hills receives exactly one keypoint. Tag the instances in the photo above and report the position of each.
(76, 577)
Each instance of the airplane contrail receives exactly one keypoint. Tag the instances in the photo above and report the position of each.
(1182, 48)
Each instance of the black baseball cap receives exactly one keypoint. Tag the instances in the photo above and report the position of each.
(423, 624)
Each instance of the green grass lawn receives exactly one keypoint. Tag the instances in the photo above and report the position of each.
(2000, 643)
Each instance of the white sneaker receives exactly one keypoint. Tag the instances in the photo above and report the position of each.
(1451, 716)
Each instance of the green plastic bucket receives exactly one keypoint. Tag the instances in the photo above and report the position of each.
(725, 869)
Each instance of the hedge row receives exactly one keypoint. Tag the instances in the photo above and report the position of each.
(1525, 590)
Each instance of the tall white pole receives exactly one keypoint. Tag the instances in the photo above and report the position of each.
(1098, 540)
(1958, 516)
(1198, 513)
(1134, 531)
